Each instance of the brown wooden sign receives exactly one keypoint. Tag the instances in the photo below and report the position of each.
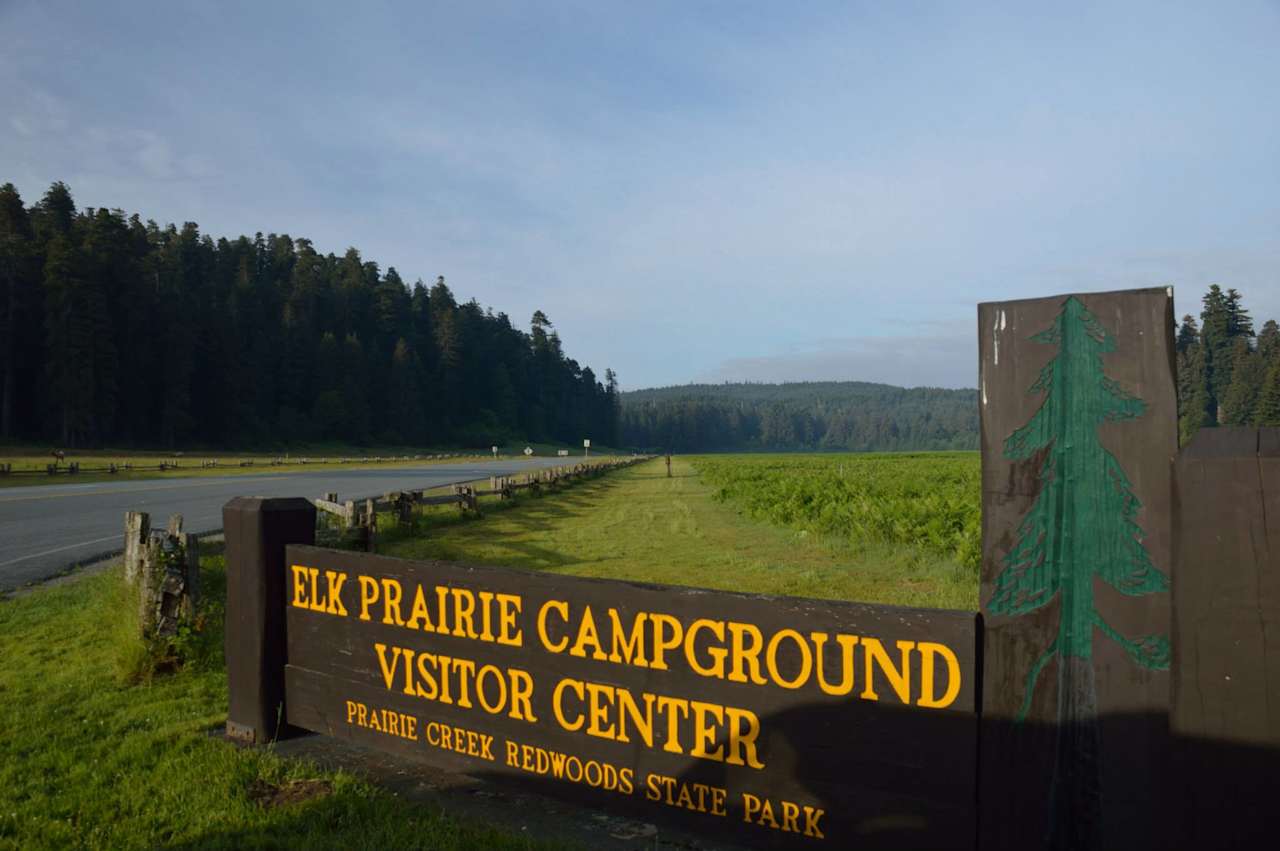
(797, 722)
(1079, 426)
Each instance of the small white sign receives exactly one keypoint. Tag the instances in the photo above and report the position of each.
(495, 451)
(528, 450)
(563, 452)
(586, 444)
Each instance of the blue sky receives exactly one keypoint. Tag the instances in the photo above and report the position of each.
(691, 191)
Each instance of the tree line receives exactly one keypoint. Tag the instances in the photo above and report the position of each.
(118, 331)
(829, 415)
(1227, 373)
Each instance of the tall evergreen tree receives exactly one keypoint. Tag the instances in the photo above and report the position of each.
(505, 402)
(406, 397)
(1268, 411)
(1217, 321)
(1247, 375)
(446, 337)
(613, 408)
(19, 311)
(1239, 323)
(329, 412)
(55, 214)
(1269, 342)
(178, 266)
(359, 424)
(80, 353)
(1193, 394)
(1188, 334)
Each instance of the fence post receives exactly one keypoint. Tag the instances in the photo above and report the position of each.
(137, 529)
(191, 551)
(1078, 425)
(168, 579)
(257, 531)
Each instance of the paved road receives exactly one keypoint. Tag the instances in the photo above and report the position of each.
(47, 528)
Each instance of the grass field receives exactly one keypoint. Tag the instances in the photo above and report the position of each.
(639, 524)
(91, 757)
(928, 500)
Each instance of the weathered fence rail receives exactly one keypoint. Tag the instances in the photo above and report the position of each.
(361, 515)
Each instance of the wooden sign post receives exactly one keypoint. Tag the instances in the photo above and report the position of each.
(1079, 426)
(257, 531)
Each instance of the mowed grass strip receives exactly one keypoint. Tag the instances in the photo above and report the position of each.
(638, 524)
(90, 758)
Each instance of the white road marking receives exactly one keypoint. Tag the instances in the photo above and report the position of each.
(60, 549)
(211, 483)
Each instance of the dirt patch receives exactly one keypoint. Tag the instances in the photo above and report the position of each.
(270, 795)
(517, 808)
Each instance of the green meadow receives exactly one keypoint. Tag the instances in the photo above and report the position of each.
(104, 746)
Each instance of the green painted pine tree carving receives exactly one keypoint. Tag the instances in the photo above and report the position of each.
(1082, 525)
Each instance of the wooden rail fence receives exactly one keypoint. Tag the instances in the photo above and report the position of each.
(360, 517)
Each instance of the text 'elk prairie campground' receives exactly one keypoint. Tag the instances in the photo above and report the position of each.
(533, 631)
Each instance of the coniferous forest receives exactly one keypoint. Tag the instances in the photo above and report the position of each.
(1227, 373)
(116, 331)
(826, 415)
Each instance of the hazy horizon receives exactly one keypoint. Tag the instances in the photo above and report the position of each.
(796, 381)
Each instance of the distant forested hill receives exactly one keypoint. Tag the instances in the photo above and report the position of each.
(1228, 374)
(849, 415)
